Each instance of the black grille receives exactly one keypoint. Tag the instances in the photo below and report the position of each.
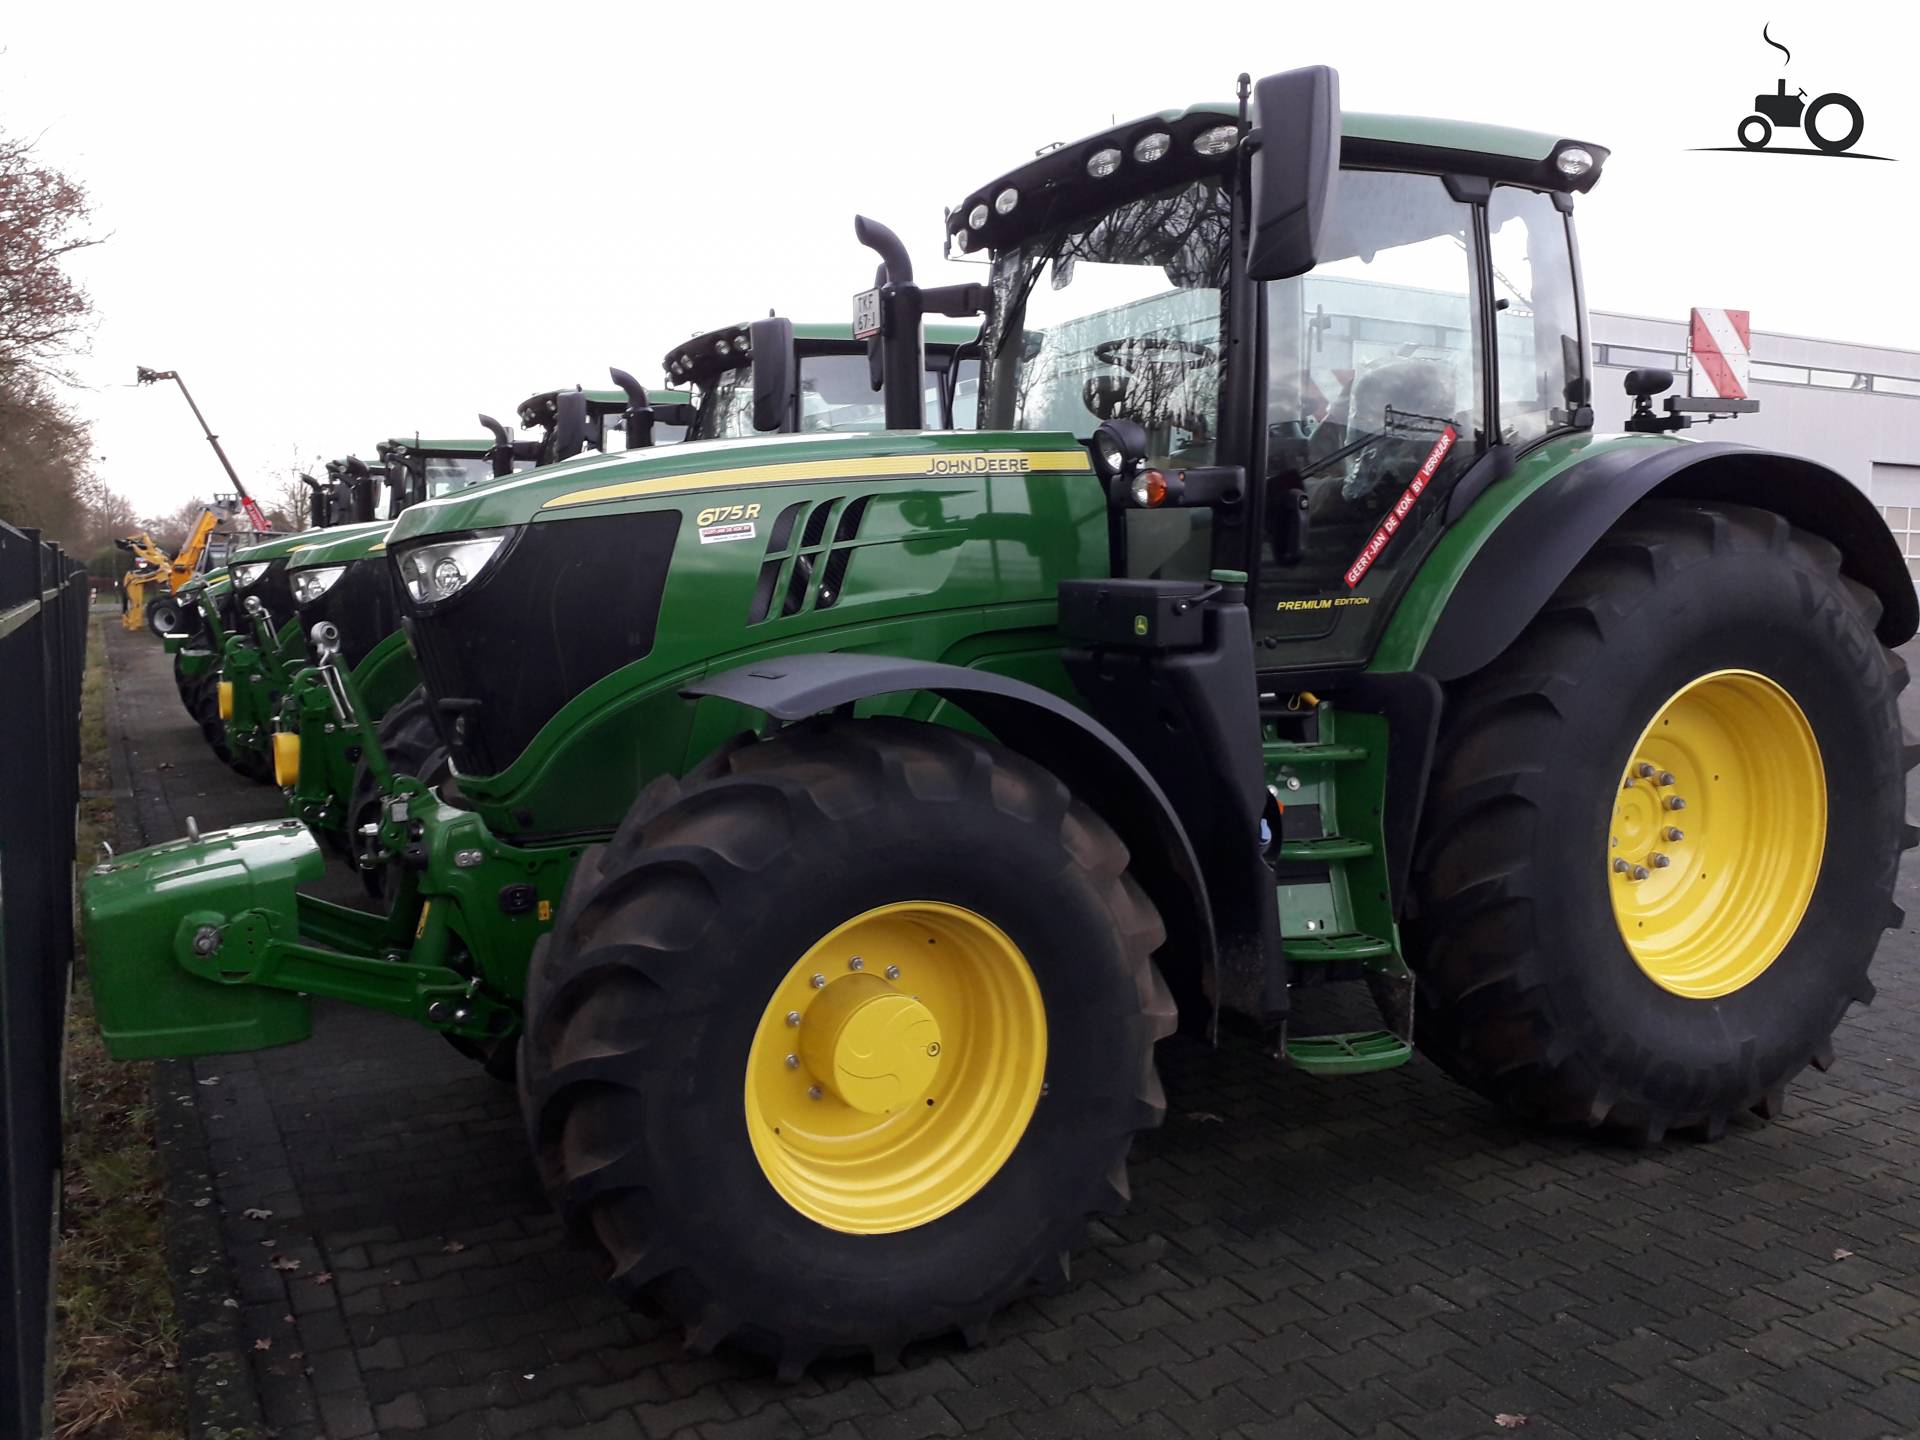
(363, 603)
(565, 604)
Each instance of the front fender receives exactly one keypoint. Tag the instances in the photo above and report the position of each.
(1087, 757)
(1530, 551)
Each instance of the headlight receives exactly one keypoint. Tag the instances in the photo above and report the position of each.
(432, 573)
(310, 585)
(245, 575)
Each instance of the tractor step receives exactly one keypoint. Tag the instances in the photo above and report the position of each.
(1314, 753)
(1325, 847)
(1353, 1053)
(1326, 949)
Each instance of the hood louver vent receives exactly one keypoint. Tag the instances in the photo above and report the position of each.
(813, 555)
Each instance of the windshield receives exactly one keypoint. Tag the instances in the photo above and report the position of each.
(836, 395)
(1120, 316)
(446, 474)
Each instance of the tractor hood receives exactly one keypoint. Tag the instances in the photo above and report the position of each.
(341, 547)
(600, 484)
(300, 540)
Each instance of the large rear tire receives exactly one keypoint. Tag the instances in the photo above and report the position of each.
(1589, 952)
(685, 1143)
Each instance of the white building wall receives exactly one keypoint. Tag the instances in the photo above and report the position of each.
(1857, 410)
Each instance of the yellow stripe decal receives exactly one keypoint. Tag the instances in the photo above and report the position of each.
(948, 465)
(376, 549)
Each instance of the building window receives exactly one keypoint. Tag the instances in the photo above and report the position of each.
(1896, 385)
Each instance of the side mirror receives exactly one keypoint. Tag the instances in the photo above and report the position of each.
(569, 432)
(774, 367)
(1296, 166)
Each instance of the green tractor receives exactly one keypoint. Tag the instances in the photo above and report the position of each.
(837, 822)
(820, 378)
(344, 584)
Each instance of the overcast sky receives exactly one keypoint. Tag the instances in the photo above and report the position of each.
(351, 221)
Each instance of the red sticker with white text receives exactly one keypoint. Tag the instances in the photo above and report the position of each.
(1402, 507)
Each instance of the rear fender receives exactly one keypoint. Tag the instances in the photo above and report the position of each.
(1533, 550)
(1088, 758)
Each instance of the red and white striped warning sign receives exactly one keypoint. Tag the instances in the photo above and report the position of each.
(1718, 340)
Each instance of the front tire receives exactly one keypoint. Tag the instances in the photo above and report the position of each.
(1586, 952)
(163, 616)
(658, 1110)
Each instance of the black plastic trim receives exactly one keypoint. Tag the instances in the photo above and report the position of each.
(1534, 549)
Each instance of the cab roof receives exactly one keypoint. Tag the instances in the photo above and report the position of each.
(415, 445)
(721, 349)
(1060, 175)
(538, 409)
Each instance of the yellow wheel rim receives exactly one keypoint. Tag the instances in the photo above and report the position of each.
(224, 690)
(896, 1067)
(286, 758)
(1717, 834)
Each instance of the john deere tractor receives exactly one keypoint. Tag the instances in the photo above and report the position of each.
(810, 377)
(344, 585)
(836, 822)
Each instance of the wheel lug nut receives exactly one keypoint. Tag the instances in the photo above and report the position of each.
(1619, 865)
(1675, 833)
(1659, 861)
(1666, 777)
(819, 982)
(813, 1092)
(1643, 770)
(793, 1017)
(793, 1062)
(1639, 872)
(1674, 802)
(856, 963)
(893, 972)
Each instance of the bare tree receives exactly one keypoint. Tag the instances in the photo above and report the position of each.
(45, 451)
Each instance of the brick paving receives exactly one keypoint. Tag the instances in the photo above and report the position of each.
(1377, 1257)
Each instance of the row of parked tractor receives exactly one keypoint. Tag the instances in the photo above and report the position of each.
(822, 782)
(243, 627)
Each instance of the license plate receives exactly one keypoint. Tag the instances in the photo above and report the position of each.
(866, 314)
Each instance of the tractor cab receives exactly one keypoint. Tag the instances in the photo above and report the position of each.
(607, 421)
(419, 469)
(774, 376)
(350, 495)
(1403, 324)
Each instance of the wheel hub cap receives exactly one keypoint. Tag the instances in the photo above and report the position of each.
(1717, 834)
(895, 1067)
(871, 1046)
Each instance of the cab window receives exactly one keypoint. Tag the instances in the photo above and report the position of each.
(1374, 410)
(1536, 315)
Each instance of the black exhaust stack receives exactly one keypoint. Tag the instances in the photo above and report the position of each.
(903, 306)
(639, 409)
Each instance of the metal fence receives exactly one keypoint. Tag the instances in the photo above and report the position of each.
(44, 598)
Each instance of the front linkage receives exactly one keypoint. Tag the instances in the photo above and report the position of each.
(467, 909)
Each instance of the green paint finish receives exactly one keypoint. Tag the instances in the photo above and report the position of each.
(155, 995)
(1464, 135)
(299, 540)
(353, 542)
(709, 467)
(415, 445)
(938, 570)
(1432, 587)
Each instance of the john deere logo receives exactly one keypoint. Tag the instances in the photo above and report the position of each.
(1832, 122)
